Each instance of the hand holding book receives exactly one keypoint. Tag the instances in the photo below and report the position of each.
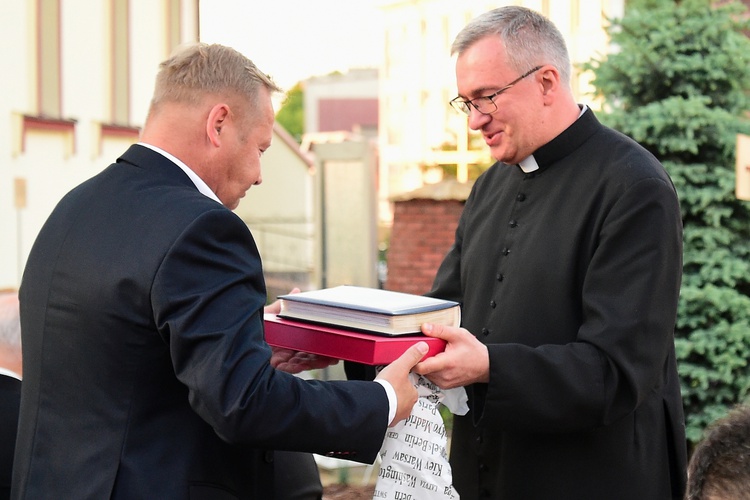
(397, 374)
(466, 360)
(292, 361)
(365, 325)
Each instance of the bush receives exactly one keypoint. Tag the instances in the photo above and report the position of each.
(678, 84)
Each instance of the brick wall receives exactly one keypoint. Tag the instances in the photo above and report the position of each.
(423, 231)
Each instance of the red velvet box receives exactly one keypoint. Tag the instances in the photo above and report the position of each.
(349, 345)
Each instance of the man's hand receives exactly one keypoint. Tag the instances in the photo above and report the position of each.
(397, 374)
(275, 308)
(291, 361)
(464, 361)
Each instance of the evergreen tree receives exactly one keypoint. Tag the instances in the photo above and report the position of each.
(678, 83)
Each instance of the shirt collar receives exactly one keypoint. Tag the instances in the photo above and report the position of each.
(9, 373)
(529, 163)
(202, 186)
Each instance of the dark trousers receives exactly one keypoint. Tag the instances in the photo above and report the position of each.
(296, 476)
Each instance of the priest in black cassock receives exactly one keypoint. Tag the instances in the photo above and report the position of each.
(567, 262)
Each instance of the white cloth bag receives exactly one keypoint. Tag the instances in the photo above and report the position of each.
(414, 460)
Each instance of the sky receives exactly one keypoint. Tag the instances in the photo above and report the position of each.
(292, 40)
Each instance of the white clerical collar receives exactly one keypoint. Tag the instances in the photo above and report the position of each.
(202, 186)
(529, 163)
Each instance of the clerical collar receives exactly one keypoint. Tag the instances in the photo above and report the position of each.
(529, 163)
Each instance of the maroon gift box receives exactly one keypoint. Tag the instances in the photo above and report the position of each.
(349, 345)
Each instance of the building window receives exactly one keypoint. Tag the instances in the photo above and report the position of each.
(174, 26)
(46, 113)
(117, 123)
(120, 65)
(48, 61)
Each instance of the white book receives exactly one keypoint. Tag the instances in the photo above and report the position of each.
(370, 309)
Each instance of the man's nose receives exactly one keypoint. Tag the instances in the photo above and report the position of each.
(477, 119)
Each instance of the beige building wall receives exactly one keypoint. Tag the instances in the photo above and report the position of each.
(357, 83)
(280, 215)
(346, 236)
(43, 156)
(418, 80)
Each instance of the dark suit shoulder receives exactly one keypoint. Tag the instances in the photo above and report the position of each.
(10, 400)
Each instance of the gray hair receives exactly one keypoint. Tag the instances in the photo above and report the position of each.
(10, 321)
(529, 38)
(197, 69)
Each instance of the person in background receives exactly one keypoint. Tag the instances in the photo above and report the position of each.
(719, 468)
(10, 384)
(567, 261)
(146, 373)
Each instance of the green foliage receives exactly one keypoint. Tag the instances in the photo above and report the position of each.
(714, 350)
(291, 115)
(679, 83)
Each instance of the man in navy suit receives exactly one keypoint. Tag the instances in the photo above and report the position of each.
(146, 371)
(10, 384)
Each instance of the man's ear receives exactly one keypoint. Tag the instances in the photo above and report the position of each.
(550, 80)
(217, 119)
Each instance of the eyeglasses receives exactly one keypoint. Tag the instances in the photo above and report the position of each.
(486, 104)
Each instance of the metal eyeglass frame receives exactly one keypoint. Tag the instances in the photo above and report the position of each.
(486, 101)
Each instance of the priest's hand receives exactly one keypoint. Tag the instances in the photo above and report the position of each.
(465, 359)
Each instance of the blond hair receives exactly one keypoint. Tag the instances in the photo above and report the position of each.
(198, 69)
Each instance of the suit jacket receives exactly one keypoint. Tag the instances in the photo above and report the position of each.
(10, 398)
(145, 370)
(571, 275)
